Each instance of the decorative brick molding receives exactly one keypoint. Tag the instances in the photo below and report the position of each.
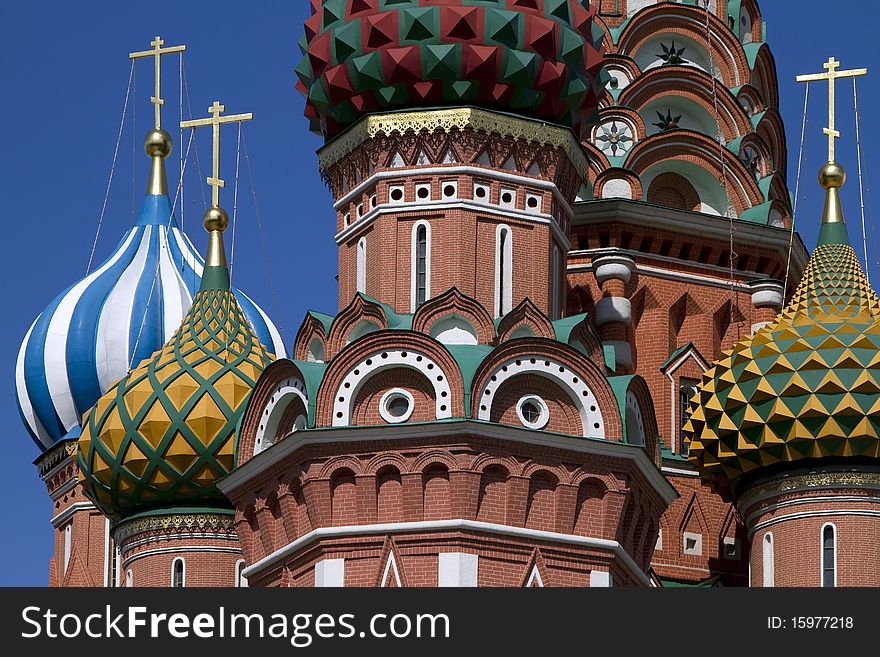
(176, 522)
(446, 121)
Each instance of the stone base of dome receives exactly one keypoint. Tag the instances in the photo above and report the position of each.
(814, 526)
(178, 547)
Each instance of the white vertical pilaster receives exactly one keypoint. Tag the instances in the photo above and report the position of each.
(457, 569)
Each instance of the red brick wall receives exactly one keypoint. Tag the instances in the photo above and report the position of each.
(208, 569)
(366, 405)
(564, 417)
(795, 519)
(502, 561)
(457, 477)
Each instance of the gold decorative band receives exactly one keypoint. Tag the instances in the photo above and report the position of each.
(55, 455)
(808, 481)
(222, 522)
(450, 119)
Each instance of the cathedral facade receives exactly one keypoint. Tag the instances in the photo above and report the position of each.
(556, 220)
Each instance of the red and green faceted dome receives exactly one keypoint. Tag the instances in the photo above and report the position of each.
(539, 58)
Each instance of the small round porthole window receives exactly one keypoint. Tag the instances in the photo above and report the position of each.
(533, 412)
(396, 406)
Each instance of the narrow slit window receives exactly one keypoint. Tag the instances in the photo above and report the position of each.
(178, 574)
(829, 557)
(503, 272)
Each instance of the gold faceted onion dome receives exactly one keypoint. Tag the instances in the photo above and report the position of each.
(165, 433)
(807, 385)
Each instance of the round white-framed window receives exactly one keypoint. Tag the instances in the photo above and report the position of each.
(396, 406)
(532, 411)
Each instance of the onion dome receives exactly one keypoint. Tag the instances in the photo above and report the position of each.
(124, 310)
(806, 386)
(542, 58)
(165, 433)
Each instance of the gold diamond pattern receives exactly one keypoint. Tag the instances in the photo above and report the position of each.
(805, 386)
(232, 388)
(154, 424)
(176, 435)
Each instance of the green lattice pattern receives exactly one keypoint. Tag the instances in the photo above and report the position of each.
(164, 434)
(805, 386)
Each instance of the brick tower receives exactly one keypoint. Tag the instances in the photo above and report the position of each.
(680, 238)
(785, 423)
(451, 425)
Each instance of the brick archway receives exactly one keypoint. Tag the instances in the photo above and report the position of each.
(673, 190)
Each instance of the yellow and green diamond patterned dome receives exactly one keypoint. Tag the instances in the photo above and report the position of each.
(806, 386)
(164, 434)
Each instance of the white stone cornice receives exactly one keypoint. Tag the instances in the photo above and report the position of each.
(505, 214)
(65, 515)
(449, 525)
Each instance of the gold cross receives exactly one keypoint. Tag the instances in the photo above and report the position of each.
(832, 74)
(215, 120)
(156, 53)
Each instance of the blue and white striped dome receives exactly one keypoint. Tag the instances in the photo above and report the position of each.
(95, 331)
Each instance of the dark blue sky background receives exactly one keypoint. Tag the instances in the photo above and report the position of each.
(64, 69)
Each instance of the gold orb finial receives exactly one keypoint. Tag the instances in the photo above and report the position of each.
(158, 143)
(215, 219)
(832, 176)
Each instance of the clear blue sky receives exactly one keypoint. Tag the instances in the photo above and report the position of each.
(64, 76)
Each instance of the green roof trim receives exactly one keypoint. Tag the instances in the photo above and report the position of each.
(674, 356)
(563, 327)
(179, 510)
(325, 320)
(764, 185)
(758, 214)
(666, 454)
(755, 119)
(610, 356)
(469, 357)
(215, 278)
(733, 146)
(677, 584)
(751, 50)
(313, 375)
(619, 386)
(395, 321)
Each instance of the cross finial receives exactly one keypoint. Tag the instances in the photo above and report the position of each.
(157, 53)
(831, 66)
(215, 120)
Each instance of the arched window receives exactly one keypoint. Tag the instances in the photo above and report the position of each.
(554, 283)
(129, 579)
(178, 573)
(829, 556)
(421, 263)
(240, 579)
(503, 270)
(316, 351)
(362, 265)
(767, 563)
(67, 545)
(687, 388)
